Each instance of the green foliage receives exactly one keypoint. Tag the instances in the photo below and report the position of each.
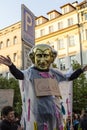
(13, 84)
(79, 90)
(54, 65)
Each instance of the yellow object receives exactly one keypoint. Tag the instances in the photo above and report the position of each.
(35, 126)
(42, 56)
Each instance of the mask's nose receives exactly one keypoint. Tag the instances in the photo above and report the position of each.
(42, 59)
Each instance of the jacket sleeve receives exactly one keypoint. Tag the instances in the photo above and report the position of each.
(16, 72)
(75, 74)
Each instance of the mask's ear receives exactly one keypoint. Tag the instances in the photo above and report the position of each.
(32, 56)
(54, 55)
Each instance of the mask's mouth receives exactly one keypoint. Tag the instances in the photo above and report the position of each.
(41, 69)
(42, 65)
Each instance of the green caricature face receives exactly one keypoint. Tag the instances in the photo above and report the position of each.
(43, 57)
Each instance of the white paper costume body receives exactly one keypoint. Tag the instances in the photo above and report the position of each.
(41, 112)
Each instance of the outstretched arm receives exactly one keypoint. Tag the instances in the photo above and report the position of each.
(76, 73)
(5, 60)
(15, 72)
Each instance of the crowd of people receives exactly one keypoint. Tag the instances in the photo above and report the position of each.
(9, 121)
(77, 122)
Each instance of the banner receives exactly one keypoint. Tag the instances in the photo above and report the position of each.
(66, 89)
(6, 97)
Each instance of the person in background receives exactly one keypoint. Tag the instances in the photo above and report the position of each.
(41, 104)
(83, 121)
(75, 122)
(68, 123)
(8, 123)
(82, 113)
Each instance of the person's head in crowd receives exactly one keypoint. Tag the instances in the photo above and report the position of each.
(85, 113)
(8, 113)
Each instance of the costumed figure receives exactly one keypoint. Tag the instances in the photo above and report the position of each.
(39, 89)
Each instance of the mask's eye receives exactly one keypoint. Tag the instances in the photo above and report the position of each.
(39, 55)
(46, 55)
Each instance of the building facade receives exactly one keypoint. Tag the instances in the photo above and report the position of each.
(10, 45)
(66, 32)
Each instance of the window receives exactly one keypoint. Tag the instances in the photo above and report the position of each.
(61, 44)
(60, 25)
(7, 43)
(86, 33)
(1, 75)
(36, 34)
(62, 63)
(42, 32)
(72, 58)
(71, 41)
(52, 46)
(15, 40)
(70, 21)
(1, 45)
(38, 21)
(14, 57)
(7, 75)
(7, 56)
(51, 16)
(85, 16)
(50, 29)
(65, 10)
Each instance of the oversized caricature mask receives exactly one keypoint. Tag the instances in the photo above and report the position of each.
(42, 56)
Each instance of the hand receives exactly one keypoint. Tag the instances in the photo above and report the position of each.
(5, 60)
(20, 128)
(84, 68)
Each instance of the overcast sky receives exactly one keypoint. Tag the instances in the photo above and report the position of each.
(10, 10)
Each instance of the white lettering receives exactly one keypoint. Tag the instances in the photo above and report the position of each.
(28, 22)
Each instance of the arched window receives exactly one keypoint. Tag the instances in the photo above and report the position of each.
(1, 45)
(7, 43)
(15, 40)
(14, 57)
